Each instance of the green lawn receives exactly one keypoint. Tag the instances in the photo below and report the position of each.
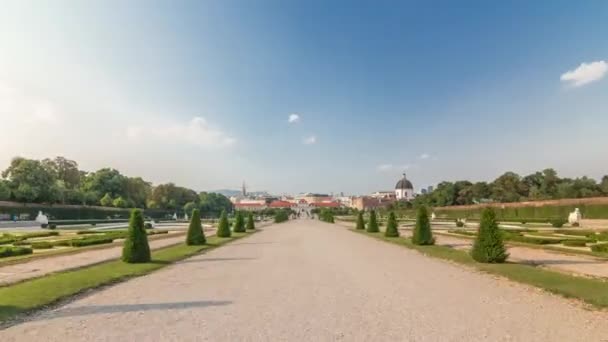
(30, 295)
(592, 291)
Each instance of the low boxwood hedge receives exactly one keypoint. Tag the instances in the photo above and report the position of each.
(90, 242)
(602, 248)
(14, 251)
(575, 243)
(42, 245)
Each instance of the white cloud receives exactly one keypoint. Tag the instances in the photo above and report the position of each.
(294, 118)
(310, 140)
(425, 156)
(585, 73)
(384, 167)
(197, 132)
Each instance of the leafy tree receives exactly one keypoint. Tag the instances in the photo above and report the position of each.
(196, 235)
(508, 188)
(212, 203)
(372, 225)
(239, 223)
(64, 170)
(106, 200)
(250, 221)
(105, 181)
(5, 191)
(360, 222)
(391, 226)
(136, 248)
(189, 207)
(29, 180)
(119, 202)
(604, 185)
(488, 246)
(422, 234)
(223, 228)
(136, 190)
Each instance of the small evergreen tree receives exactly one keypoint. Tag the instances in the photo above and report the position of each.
(250, 222)
(488, 246)
(391, 226)
(196, 235)
(422, 232)
(223, 228)
(239, 223)
(372, 225)
(360, 222)
(136, 248)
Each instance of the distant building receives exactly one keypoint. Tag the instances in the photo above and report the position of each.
(384, 194)
(369, 203)
(314, 198)
(429, 189)
(404, 190)
(423, 191)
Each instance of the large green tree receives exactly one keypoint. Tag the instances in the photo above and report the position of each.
(212, 204)
(30, 181)
(488, 246)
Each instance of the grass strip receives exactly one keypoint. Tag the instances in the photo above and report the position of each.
(591, 291)
(34, 294)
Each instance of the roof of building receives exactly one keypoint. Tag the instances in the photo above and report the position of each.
(243, 205)
(404, 184)
(281, 204)
(327, 204)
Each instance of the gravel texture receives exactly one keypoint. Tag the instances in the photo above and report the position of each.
(311, 281)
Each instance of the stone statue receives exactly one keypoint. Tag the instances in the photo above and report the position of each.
(175, 216)
(186, 217)
(433, 216)
(575, 217)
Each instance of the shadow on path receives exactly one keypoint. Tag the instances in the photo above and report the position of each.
(124, 308)
(213, 259)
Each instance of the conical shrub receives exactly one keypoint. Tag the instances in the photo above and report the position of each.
(136, 248)
(360, 222)
(223, 228)
(422, 232)
(239, 223)
(196, 235)
(372, 225)
(250, 221)
(391, 226)
(488, 246)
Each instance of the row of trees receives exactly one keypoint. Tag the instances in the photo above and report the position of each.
(511, 187)
(60, 180)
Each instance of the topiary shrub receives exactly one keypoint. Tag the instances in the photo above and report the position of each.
(575, 243)
(195, 235)
(223, 229)
(250, 221)
(136, 248)
(558, 223)
(372, 225)
(239, 223)
(391, 226)
(422, 234)
(360, 222)
(488, 246)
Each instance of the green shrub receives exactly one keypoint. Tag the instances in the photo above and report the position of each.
(41, 245)
(239, 223)
(575, 243)
(223, 229)
(488, 246)
(360, 222)
(391, 226)
(459, 223)
(558, 223)
(195, 235)
(462, 232)
(250, 221)
(148, 225)
(86, 242)
(52, 226)
(38, 234)
(14, 251)
(601, 248)
(372, 224)
(576, 232)
(89, 232)
(136, 248)
(281, 216)
(531, 240)
(326, 215)
(422, 234)
(603, 236)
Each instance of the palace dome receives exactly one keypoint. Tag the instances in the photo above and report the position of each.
(404, 184)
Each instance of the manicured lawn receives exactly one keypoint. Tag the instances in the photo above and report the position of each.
(34, 294)
(592, 291)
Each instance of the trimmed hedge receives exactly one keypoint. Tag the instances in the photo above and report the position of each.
(575, 243)
(14, 251)
(42, 245)
(602, 248)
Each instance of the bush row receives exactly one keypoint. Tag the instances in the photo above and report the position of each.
(575, 243)
(14, 251)
(602, 248)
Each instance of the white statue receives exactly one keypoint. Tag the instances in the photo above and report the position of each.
(575, 217)
(433, 216)
(175, 216)
(41, 218)
(186, 217)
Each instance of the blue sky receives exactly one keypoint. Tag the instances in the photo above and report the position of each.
(200, 92)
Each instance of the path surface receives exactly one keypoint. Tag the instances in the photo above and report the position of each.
(311, 281)
(41, 266)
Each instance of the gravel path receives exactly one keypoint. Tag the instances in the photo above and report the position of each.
(41, 266)
(312, 281)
